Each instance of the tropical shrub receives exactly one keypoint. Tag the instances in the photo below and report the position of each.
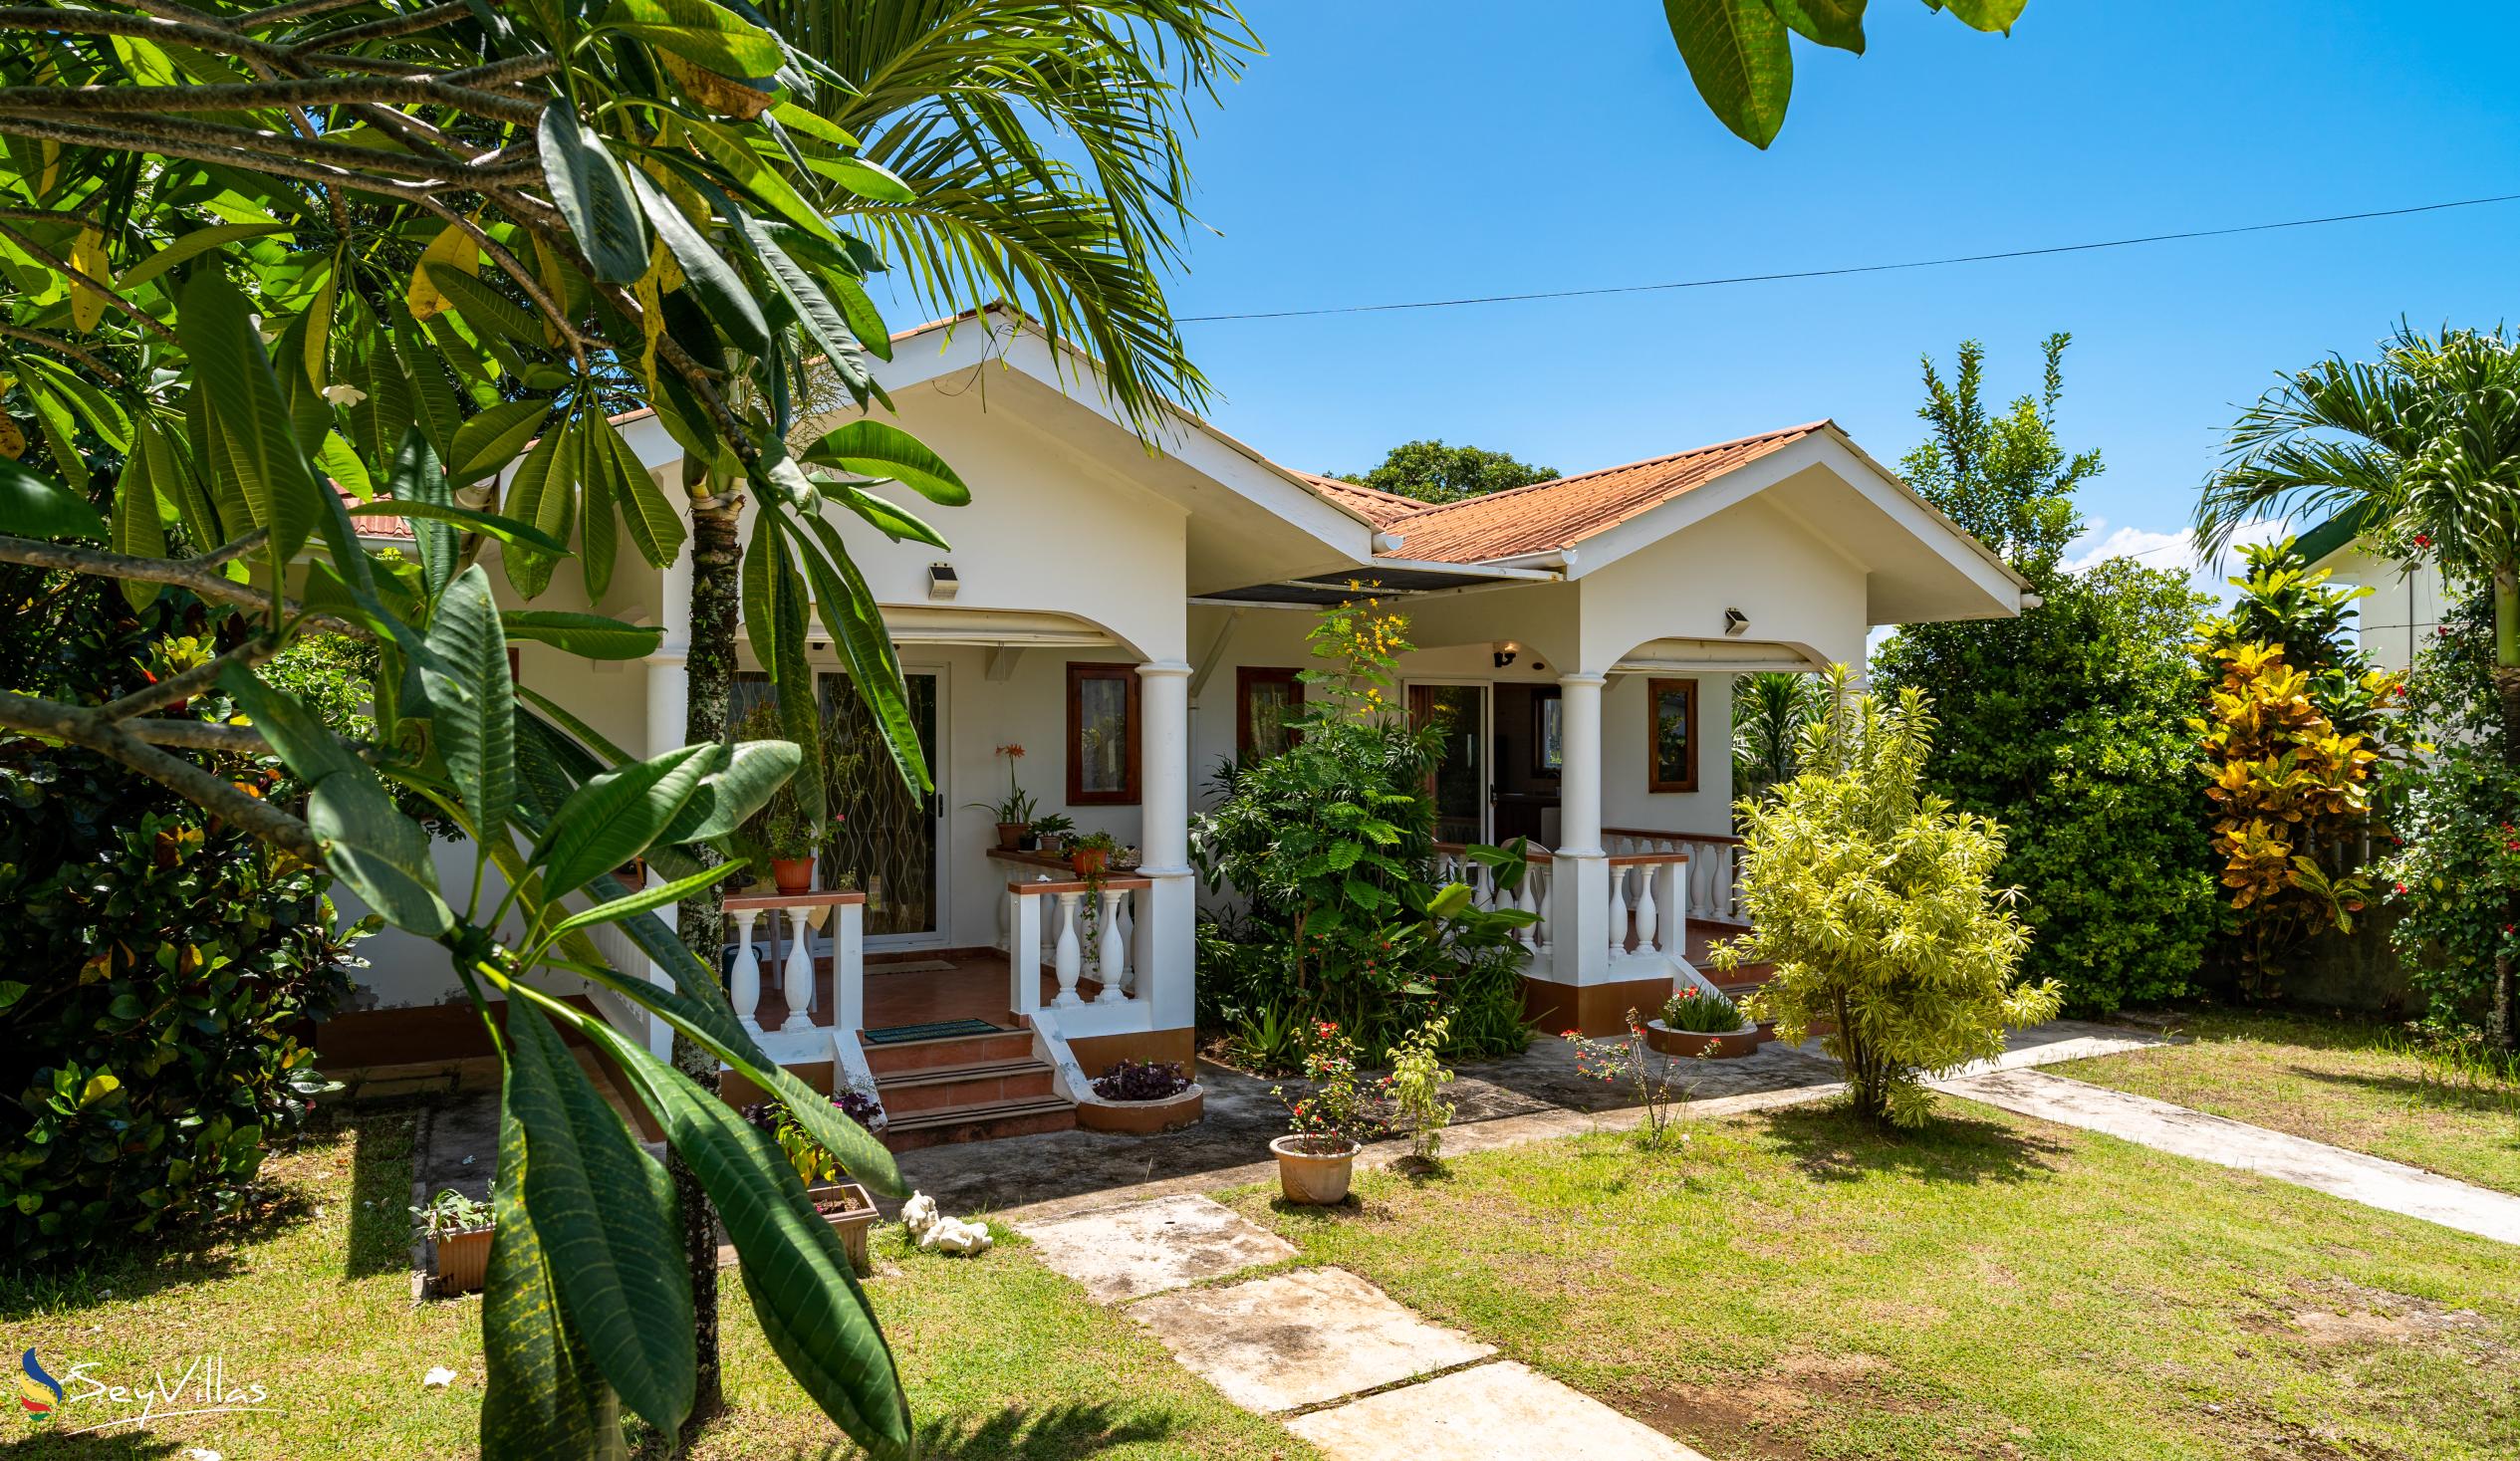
(1697, 1010)
(1335, 1111)
(1651, 1079)
(1329, 845)
(1415, 1086)
(2067, 725)
(162, 963)
(1876, 904)
(1769, 710)
(1142, 1081)
(2291, 736)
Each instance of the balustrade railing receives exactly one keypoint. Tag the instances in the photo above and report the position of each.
(1649, 907)
(1453, 864)
(1715, 867)
(791, 920)
(1089, 925)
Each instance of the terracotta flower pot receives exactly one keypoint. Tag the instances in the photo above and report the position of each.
(1319, 1178)
(1087, 861)
(1009, 836)
(851, 1212)
(1689, 1043)
(1141, 1117)
(463, 1261)
(794, 875)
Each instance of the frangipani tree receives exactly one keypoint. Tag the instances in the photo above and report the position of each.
(1740, 53)
(257, 251)
(2423, 448)
(1874, 901)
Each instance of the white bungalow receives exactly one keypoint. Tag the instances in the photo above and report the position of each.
(1131, 619)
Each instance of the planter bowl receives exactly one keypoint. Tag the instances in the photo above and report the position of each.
(1319, 1179)
(1741, 1042)
(1087, 861)
(1140, 1118)
(463, 1261)
(793, 874)
(1010, 834)
(853, 1225)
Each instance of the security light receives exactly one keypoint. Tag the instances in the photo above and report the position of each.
(1736, 623)
(941, 582)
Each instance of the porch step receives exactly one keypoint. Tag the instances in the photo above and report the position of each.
(984, 1082)
(986, 1122)
(950, 1050)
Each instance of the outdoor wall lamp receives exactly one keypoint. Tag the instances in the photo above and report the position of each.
(1505, 650)
(1736, 623)
(942, 581)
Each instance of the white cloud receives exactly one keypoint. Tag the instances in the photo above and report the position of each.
(2174, 548)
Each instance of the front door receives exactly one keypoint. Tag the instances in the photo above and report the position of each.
(883, 838)
(1462, 770)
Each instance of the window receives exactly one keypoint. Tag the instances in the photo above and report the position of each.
(1548, 732)
(1671, 735)
(1265, 700)
(1102, 735)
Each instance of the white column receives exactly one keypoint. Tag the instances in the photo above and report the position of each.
(1580, 776)
(1069, 960)
(1110, 954)
(1165, 767)
(1579, 876)
(744, 984)
(799, 982)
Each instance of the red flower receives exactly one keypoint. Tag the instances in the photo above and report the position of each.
(2401, 888)
(2423, 540)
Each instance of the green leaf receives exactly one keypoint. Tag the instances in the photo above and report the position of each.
(485, 444)
(537, 1401)
(482, 307)
(722, 291)
(472, 709)
(885, 452)
(416, 484)
(599, 530)
(199, 241)
(895, 523)
(614, 816)
(655, 528)
(258, 446)
(1836, 23)
(138, 530)
(729, 150)
(815, 1317)
(432, 395)
(856, 624)
(1737, 54)
(616, 909)
(589, 635)
(821, 322)
(543, 493)
(606, 1214)
(793, 679)
(765, 562)
(594, 196)
(701, 32)
(31, 507)
(381, 854)
(1984, 15)
(727, 798)
(170, 472)
(866, 179)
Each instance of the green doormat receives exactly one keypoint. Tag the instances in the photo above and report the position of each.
(936, 1030)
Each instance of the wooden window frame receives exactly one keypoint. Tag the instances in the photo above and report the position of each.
(1079, 671)
(1248, 675)
(1655, 689)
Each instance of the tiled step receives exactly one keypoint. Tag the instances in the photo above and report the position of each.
(952, 1050)
(979, 1123)
(987, 1082)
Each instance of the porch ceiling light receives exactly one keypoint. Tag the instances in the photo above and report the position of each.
(1505, 650)
(1736, 623)
(942, 582)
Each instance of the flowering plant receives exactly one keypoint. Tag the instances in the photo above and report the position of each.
(1654, 1078)
(814, 1164)
(1017, 804)
(1701, 1012)
(1336, 1114)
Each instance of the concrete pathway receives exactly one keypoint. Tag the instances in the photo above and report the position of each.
(1354, 1371)
(2369, 1181)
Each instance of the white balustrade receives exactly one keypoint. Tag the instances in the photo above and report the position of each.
(1068, 964)
(743, 983)
(1617, 911)
(840, 917)
(1100, 939)
(799, 982)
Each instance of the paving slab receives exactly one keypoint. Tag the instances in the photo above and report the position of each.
(1492, 1413)
(2371, 1180)
(1125, 1252)
(1300, 1339)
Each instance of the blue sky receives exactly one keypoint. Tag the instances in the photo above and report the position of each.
(1393, 150)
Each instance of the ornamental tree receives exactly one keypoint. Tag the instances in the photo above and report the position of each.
(1874, 900)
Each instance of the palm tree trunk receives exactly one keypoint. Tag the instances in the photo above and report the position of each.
(2503, 1024)
(716, 593)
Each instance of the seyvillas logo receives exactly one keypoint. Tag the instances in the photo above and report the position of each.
(202, 1387)
(39, 1393)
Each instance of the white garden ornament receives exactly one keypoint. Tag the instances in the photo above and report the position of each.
(932, 1230)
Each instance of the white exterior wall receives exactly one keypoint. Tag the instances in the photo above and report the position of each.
(2404, 610)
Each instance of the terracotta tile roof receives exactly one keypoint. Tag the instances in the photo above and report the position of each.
(1560, 513)
(375, 527)
(1376, 506)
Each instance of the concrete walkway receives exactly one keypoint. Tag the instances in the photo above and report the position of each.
(2369, 1181)
(1345, 1367)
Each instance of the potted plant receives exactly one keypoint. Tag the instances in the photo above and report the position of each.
(844, 1204)
(458, 1232)
(790, 837)
(1142, 1097)
(1328, 1125)
(1697, 1020)
(1090, 853)
(1049, 832)
(1014, 811)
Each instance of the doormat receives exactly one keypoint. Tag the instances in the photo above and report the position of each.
(914, 966)
(935, 1029)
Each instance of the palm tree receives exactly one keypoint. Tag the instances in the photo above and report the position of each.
(1770, 708)
(2423, 448)
(977, 107)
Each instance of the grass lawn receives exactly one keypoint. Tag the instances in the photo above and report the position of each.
(1795, 1286)
(2347, 1082)
(311, 1299)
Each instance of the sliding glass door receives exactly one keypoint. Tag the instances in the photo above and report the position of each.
(883, 838)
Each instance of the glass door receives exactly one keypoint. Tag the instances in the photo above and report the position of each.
(884, 841)
(1461, 772)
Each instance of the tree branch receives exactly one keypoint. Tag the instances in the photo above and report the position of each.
(101, 288)
(271, 163)
(199, 679)
(63, 348)
(386, 29)
(201, 735)
(199, 575)
(81, 727)
(243, 96)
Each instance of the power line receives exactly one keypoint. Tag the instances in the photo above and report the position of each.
(1619, 289)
